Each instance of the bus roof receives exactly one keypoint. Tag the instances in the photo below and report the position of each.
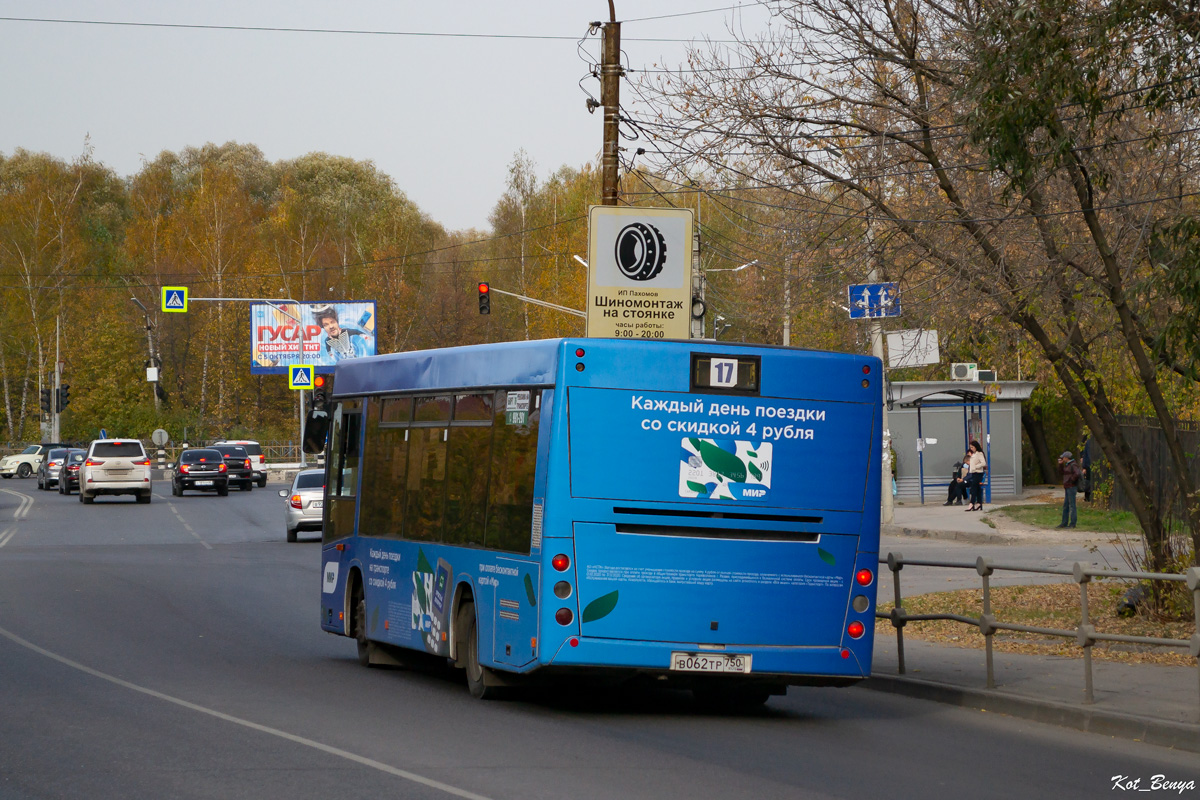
(501, 364)
(535, 363)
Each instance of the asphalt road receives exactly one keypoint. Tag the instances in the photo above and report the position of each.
(173, 651)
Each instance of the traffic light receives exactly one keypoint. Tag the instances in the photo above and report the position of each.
(47, 394)
(321, 386)
(64, 397)
(485, 299)
(316, 422)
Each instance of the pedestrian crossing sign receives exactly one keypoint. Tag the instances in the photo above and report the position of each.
(174, 298)
(300, 376)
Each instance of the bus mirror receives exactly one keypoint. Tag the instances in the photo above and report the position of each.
(316, 430)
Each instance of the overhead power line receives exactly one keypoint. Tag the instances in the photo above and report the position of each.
(338, 31)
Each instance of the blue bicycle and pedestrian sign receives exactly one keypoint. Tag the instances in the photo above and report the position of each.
(873, 300)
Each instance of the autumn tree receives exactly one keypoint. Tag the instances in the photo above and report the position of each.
(1038, 214)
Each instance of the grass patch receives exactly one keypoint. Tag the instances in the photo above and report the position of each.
(1045, 606)
(1045, 515)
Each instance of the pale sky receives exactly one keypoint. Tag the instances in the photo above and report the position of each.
(443, 116)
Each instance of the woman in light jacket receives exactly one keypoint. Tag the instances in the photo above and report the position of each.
(978, 466)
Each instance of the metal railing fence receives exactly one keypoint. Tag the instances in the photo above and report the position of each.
(275, 452)
(1085, 634)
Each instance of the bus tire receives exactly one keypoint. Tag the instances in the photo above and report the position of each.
(358, 623)
(468, 637)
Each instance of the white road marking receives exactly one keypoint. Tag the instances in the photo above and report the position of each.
(7, 535)
(26, 503)
(291, 737)
(179, 516)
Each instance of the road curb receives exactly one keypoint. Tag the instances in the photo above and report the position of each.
(1177, 735)
(971, 537)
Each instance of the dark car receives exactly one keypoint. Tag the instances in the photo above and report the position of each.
(68, 475)
(48, 470)
(237, 461)
(258, 461)
(200, 468)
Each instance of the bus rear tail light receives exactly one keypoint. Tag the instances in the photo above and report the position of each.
(856, 629)
(560, 562)
(563, 616)
(562, 590)
(297, 502)
(864, 577)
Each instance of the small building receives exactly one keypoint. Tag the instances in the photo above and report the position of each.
(933, 421)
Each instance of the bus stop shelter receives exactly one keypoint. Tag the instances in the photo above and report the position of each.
(933, 421)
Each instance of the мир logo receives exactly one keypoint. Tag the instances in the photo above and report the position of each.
(641, 251)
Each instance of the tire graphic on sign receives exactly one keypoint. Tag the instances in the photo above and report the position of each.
(641, 251)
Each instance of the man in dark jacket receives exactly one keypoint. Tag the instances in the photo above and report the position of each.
(957, 490)
(1070, 478)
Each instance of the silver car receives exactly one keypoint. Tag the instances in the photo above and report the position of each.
(48, 470)
(304, 503)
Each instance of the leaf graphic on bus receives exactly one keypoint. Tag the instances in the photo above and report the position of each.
(826, 556)
(697, 487)
(423, 564)
(755, 471)
(752, 454)
(529, 590)
(601, 607)
(721, 461)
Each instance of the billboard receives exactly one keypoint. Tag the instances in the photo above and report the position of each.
(329, 331)
(640, 273)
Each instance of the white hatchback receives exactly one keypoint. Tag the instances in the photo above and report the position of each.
(115, 466)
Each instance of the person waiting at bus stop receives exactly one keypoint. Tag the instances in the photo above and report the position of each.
(1070, 478)
(977, 462)
(958, 487)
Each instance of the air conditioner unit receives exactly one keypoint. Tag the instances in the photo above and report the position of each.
(964, 371)
(986, 375)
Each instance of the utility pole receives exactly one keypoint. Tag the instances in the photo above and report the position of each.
(152, 361)
(55, 426)
(875, 331)
(610, 98)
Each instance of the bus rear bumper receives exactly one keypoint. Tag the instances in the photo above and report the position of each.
(796, 666)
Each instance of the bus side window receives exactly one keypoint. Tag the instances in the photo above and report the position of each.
(426, 472)
(385, 461)
(510, 485)
(467, 469)
(343, 469)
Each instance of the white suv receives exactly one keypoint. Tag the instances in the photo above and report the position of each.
(115, 466)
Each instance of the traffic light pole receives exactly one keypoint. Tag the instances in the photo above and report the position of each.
(541, 303)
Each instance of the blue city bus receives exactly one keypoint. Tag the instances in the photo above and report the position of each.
(702, 513)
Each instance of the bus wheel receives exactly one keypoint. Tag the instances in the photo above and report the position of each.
(359, 624)
(477, 674)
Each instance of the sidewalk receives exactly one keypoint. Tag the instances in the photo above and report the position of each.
(1144, 702)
